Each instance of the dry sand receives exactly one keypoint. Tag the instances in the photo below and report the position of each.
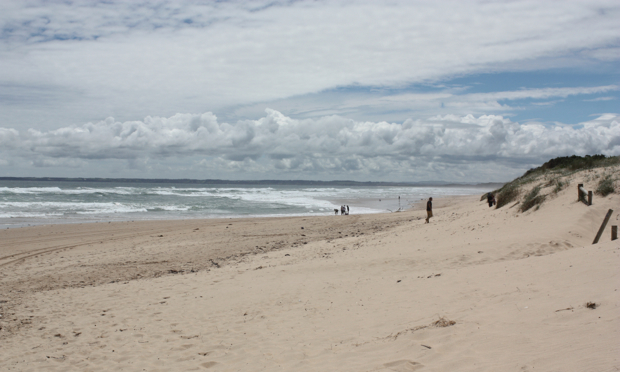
(477, 289)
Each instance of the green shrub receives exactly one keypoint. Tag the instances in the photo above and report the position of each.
(532, 199)
(605, 186)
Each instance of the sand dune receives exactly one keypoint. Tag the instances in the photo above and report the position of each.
(477, 289)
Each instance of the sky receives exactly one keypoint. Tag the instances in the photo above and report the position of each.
(403, 91)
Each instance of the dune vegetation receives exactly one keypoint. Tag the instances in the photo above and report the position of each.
(537, 184)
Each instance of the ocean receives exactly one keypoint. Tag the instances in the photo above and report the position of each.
(29, 203)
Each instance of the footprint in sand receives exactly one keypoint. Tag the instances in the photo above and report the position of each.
(403, 366)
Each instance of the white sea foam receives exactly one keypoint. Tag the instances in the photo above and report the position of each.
(28, 215)
(29, 190)
(58, 190)
(68, 207)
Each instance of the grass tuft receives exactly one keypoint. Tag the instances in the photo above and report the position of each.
(559, 185)
(532, 199)
(443, 322)
(506, 195)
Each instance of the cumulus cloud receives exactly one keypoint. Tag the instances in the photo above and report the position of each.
(449, 146)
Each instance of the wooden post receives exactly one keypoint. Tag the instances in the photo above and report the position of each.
(600, 231)
(582, 193)
(614, 232)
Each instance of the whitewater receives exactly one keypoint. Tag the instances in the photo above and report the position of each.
(24, 203)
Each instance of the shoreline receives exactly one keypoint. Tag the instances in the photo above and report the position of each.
(39, 222)
(37, 204)
(252, 236)
(368, 206)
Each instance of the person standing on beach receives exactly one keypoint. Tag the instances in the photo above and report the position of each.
(490, 199)
(429, 209)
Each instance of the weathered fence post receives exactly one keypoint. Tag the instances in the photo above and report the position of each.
(600, 231)
(581, 195)
(614, 232)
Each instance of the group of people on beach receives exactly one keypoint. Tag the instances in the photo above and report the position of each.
(344, 210)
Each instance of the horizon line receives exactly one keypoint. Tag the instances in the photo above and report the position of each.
(263, 181)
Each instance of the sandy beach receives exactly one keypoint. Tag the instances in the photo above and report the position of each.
(477, 289)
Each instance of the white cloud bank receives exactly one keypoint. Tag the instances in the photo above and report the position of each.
(455, 148)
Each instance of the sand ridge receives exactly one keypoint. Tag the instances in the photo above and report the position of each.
(346, 293)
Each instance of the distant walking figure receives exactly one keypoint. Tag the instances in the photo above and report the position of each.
(347, 210)
(429, 209)
(342, 210)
